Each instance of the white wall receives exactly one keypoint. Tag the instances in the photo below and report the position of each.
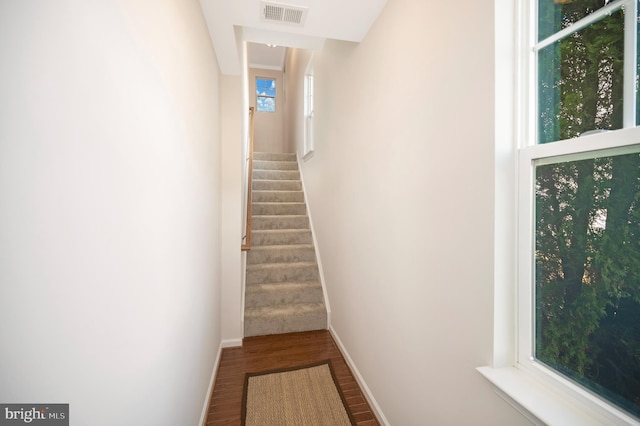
(401, 189)
(231, 267)
(269, 126)
(110, 208)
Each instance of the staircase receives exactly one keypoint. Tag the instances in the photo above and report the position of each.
(283, 291)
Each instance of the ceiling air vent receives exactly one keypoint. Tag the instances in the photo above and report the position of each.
(283, 13)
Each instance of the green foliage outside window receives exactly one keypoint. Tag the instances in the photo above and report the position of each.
(581, 76)
(588, 273)
(587, 225)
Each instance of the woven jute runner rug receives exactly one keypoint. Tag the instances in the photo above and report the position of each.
(305, 395)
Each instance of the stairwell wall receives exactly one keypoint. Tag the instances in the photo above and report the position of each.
(231, 190)
(401, 189)
(110, 209)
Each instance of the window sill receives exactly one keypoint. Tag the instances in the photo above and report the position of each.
(542, 404)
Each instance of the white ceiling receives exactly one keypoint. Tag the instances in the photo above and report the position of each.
(231, 22)
(265, 57)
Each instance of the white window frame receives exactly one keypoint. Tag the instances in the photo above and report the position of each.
(537, 391)
(308, 110)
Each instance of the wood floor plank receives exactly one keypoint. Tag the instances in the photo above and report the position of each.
(263, 353)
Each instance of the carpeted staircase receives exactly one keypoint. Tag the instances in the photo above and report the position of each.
(283, 290)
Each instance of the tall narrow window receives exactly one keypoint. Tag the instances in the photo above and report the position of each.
(580, 210)
(308, 110)
(266, 94)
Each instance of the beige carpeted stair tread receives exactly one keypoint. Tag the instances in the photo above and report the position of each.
(298, 308)
(278, 208)
(279, 266)
(274, 165)
(280, 236)
(284, 285)
(282, 247)
(274, 156)
(276, 174)
(281, 254)
(277, 196)
(276, 185)
(262, 295)
(285, 319)
(281, 272)
(261, 222)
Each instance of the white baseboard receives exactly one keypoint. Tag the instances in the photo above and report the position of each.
(230, 343)
(363, 386)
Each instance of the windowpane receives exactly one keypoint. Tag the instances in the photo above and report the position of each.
(555, 15)
(587, 274)
(308, 95)
(266, 104)
(266, 94)
(580, 85)
(266, 87)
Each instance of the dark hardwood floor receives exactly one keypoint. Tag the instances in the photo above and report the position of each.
(279, 351)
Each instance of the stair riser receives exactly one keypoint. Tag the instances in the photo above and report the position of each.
(277, 196)
(274, 165)
(256, 298)
(259, 274)
(276, 174)
(271, 238)
(257, 326)
(276, 185)
(279, 222)
(278, 209)
(273, 156)
(258, 255)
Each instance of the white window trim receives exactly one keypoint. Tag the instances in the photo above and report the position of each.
(540, 394)
(309, 110)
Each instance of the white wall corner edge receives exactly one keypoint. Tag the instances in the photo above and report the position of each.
(363, 385)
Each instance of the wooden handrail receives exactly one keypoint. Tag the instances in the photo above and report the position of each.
(247, 238)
